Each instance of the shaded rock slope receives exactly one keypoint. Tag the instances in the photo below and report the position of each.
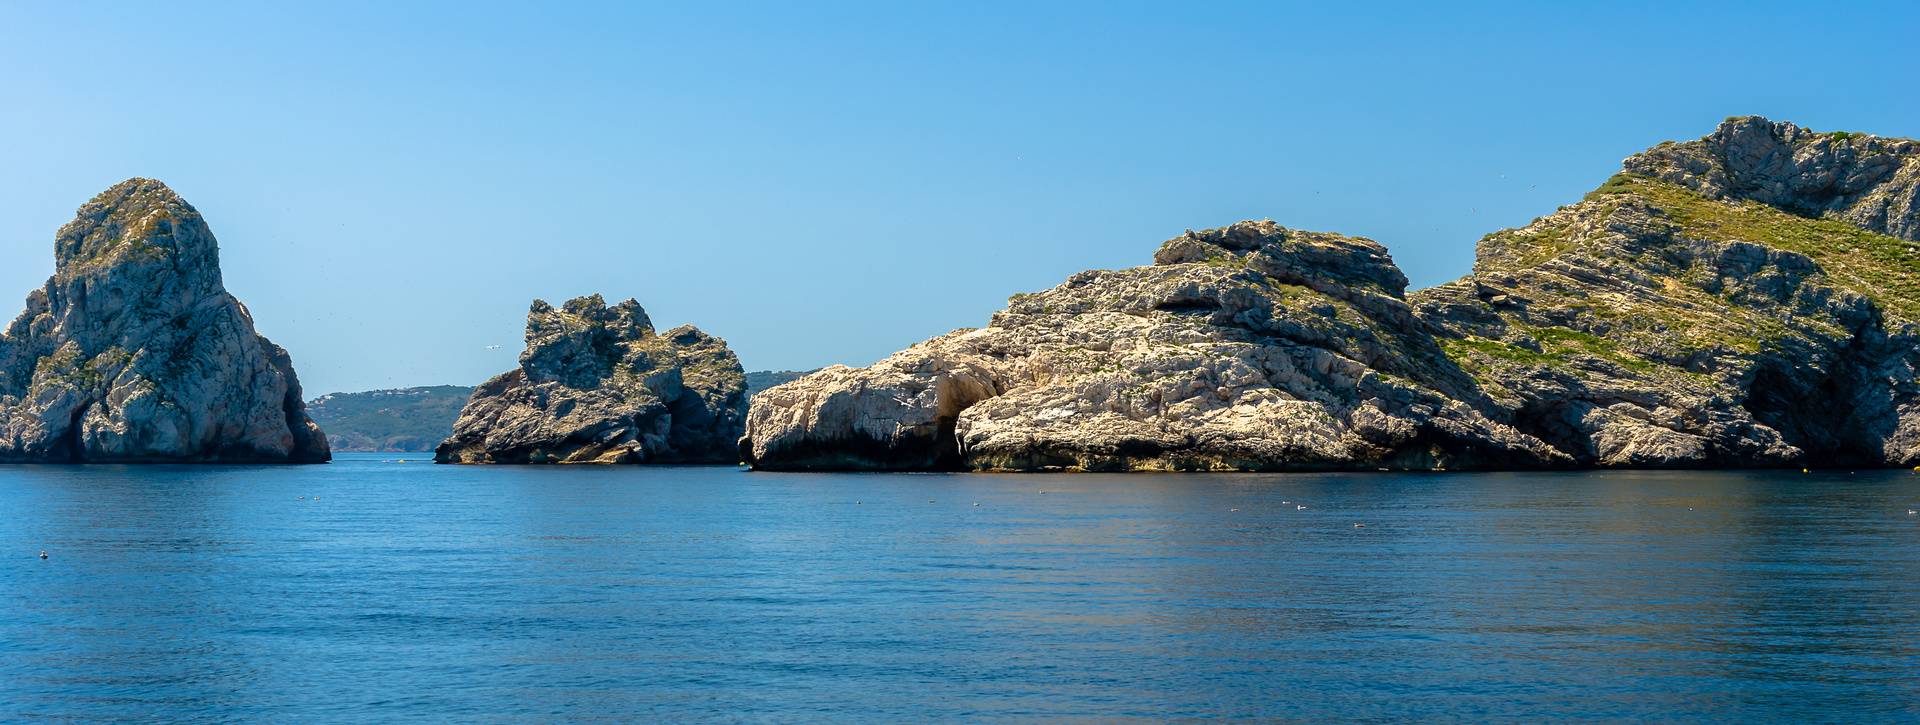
(597, 385)
(134, 351)
(1746, 299)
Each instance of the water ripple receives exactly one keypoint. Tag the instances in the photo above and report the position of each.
(407, 593)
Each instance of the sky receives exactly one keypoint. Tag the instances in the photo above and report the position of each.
(393, 183)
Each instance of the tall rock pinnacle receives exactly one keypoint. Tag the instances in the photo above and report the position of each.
(134, 351)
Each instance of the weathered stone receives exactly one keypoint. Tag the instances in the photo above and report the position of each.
(596, 385)
(1751, 299)
(135, 352)
(898, 414)
(1696, 315)
(1865, 180)
(1247, 347)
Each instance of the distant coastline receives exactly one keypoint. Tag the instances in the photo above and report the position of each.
(414, 420)
(764, 379)
(396, 420)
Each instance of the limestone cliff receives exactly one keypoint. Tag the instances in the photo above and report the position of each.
(1247, 347)
(134, 351)
(597, 385)
(1747, 299)
(1867, 181)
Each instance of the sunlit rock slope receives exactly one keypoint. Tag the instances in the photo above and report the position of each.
(1747, 299)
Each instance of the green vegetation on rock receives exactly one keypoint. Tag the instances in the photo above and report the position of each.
(597, 384)
(1746, 299)
(134, 351)
(1885, 269)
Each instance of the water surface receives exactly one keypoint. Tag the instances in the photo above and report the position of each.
(407, 592)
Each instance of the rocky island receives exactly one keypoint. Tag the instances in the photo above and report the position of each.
(597, 385)
(1748, 299)
(134, 352)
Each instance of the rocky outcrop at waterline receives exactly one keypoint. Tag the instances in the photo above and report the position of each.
(596, 384)
(1748, 299)
(134, 352)
(1760, 313)
(1247, 347)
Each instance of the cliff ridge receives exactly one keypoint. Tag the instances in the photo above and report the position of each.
(1747, 299)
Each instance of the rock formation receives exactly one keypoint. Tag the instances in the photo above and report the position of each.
(1867, 181)
(135, 352)
(596, 385)
(1748, 299)
(1246, 347)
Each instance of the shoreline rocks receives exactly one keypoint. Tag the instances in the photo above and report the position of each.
(134, 352)
(597, 385)
(1249, 347)
(1751, 299)
(1744, 300)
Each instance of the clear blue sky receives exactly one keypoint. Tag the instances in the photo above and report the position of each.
(393, 183)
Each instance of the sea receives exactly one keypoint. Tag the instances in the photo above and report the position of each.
(386, 589)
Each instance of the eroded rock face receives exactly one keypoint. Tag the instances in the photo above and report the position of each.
(1867, 181)
(1701, 316)
(898, 414)
(1745, 300)
(1250, 347)
(135, 352)
(597, 385)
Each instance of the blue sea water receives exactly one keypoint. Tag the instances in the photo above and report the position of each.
(403, 592)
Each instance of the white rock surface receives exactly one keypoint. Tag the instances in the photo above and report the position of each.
(1750, 299)
(1250, 347)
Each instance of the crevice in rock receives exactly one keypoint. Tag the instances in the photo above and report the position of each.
(296, 413)
(1189, 305)
(690, 430)
(1547, 421)
(946, 444)
(1812, 416)
(912, 451)
(72, 450)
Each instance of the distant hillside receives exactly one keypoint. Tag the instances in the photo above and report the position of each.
(764, 379)
(414, 420)
(401, 420)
